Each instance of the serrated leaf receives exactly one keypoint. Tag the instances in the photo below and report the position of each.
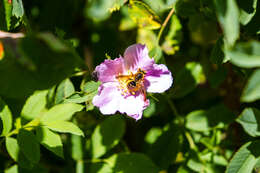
(228, 17)
(64, 90)
(29, 145)
(34, 105)
(245, 158)
(61, 112)
(6, 117)
(245, 54)
(132, 162)
(50, 140)
(18, 10)
(251, 91)
(143, 15)
(249, 119)
(64, 127)
(12, 147)
(104, 137)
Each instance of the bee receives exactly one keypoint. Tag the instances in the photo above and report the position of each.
(134, 82)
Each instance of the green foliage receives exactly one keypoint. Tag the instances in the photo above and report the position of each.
(104, 137)
(6, 117)
(207, 122)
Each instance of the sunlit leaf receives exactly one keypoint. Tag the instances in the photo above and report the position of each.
(245, 54)
(6, 117)
(64, 90)
(104, 137)
(143, 15)
(249, 119)
(12, 147)
(64, 127)
(61, 112)
(251, 91)
(247, 10)
(18, 10)
(34, 105)
(228, 17)
(244, 159)
(50, 140)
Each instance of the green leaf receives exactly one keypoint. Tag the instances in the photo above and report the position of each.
(173, 37)
(61, 112)
(217, 55)
(18, 10)
(104, 137)
(251, 91)
(12, 147)
(29, 145)
(5, 15)
(99, 10)
(228, 17)
(216, 116)
(245, 54)
(99, 168)
(188, 78)
(34, 105)
(169, 143)
(48, 63)
(77, 152)
(132, 162)
(50, 140)
(250, 119)
(247, 10)
(197, 121)
(64, 127)
(147, 37)
(6, 117)
(90, 89)
(245, 158)
(143, 15)
(157, 54)
(13, 169)
(64, 90)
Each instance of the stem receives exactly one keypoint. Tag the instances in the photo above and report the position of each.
(164, 25)
(190, 140)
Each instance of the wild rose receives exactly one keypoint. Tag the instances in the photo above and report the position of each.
(125, 81)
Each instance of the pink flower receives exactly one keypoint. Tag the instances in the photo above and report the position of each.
(125, 81)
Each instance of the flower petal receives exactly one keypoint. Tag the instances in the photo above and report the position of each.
(136, 56)
(158, 79)
(107, 70)
(108, 98)
(133, 106)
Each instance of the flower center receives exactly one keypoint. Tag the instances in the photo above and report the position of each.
(131, 83)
